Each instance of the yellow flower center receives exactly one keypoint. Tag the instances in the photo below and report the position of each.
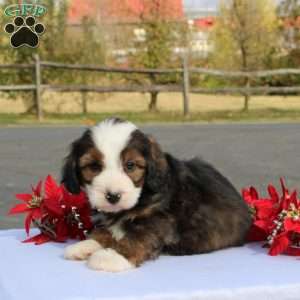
(293, 212)
(35, 202)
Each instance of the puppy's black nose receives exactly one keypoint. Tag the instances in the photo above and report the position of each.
(113, 198)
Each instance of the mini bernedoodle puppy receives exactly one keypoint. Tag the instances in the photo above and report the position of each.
(153, 203)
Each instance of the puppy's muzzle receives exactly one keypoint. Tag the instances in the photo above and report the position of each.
(112, 198)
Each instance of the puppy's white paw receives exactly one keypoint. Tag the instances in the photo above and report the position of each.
(109, 260)
(81, 250)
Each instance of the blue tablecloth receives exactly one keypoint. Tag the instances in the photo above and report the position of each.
(29, 272)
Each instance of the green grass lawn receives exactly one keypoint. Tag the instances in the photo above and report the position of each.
(265, 115)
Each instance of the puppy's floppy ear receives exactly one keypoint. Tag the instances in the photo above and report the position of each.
(69, 175)
(156, 166)
(70, 171)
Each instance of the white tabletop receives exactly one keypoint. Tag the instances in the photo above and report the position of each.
(30, 272)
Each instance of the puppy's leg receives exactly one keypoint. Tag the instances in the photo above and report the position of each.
(132, 249)
(82, 250)
(109, 260)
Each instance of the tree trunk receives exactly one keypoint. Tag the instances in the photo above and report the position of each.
(153, 102)
(246, 103)
(247, 96)
(247, 81)
(84, 99)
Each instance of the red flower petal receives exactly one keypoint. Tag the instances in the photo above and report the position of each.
(265, 208)
(291, 225)
(273, 193)
(38, 189)
(37, 213)
(78, 200)
(53, 207)
(280, 244)
(43, 239)
(263, 224)
(19, 208)
(294, 199)
(52, 190)
(246, 196)
(254, 193)
(256, 234)
(61, 231)
(283, 187)
(24, 197)
(38, 239)
(53, 197)
(293, 251)
(28, 222)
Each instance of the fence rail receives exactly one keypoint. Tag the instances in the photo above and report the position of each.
(38, 87)
(113, 89)
(103, 69)
(251, 74)
(17, 66)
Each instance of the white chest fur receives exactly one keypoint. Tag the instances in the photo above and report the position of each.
(117, 231)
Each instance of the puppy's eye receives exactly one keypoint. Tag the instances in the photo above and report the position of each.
(130, 165)
(95, 167)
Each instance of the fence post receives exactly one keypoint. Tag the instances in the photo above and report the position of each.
(186, 85)
(39, 109)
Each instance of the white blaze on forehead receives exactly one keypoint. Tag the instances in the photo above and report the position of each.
(111, 137)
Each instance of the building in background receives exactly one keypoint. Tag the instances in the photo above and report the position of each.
(127, 11)
(120, 22)
(291, 26)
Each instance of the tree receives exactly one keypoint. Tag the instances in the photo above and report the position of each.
(289, 12)
(160, 32)
(61, 43)
(245, 36)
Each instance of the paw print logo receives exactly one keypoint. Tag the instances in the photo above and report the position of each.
(24, 32)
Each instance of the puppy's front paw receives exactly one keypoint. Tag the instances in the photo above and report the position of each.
(109, 260)
(81, 250)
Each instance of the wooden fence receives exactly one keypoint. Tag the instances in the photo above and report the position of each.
(38, 87)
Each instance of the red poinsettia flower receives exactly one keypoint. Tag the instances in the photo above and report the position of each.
(263, 207)
(61, 230)
(53, 199)
(283, 225)
(77, 205)
(291, 225)
(31, 205)
(63, 208)
(264, 210)
(58, 214)
(288, 199)
(54, 204)
(250, 195)
(280, 244)
(273, 194)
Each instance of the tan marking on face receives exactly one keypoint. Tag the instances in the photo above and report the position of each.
(138, 172)
(91, 164)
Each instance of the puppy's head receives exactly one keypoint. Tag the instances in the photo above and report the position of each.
(115, 162)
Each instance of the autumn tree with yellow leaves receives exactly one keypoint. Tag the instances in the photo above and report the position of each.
(245, 36)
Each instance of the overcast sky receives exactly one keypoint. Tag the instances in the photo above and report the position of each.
(200, 3)
(204, 3)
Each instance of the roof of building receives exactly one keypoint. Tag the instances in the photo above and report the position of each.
(128, 11)
(291, 22)
(205, 23)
